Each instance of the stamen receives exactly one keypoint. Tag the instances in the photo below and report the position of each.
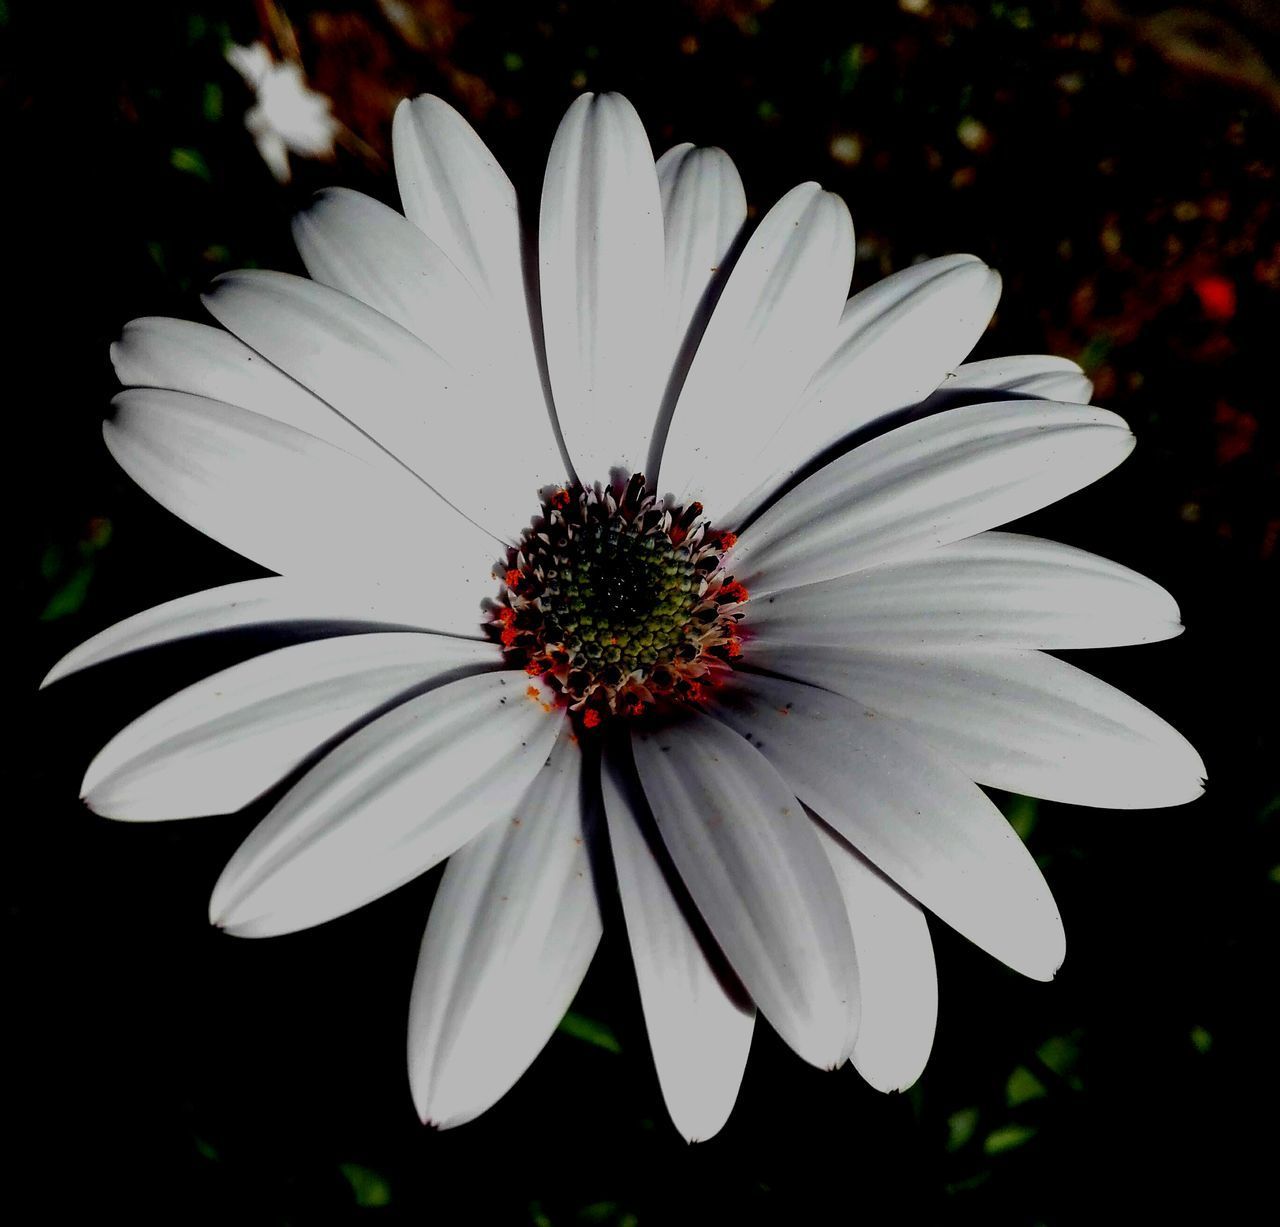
(620, 602)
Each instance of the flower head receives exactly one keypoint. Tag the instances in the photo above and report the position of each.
(288, 116)
(655, 603)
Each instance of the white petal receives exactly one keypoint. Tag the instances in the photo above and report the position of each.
(217, 745)
(895, 343)
(699, 1028)
(454, 191)
(482, 458)
(896, 974)
(1021, 721)
(294, 503)
(1024, 375)
(768, 332)
(703, 209)
(925, 484)
(600, 250)
(907, 810)
(266, 602)
(751, 860)
(155, 352)
(392, 800)
(512, 930)
(992, 590)
(358, 245)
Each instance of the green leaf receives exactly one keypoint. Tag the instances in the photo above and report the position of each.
(1022, 1087)
(369, 1188)
(70, 596)
(1059, 1053)
(1095, 353)
(1007, 1137)
(191, 162)
(1022, 813)
(961, 1126)
(589, 1031)
(211, 102)
(206, 1150)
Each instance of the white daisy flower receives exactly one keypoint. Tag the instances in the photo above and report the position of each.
(287, 116)
(778, 684)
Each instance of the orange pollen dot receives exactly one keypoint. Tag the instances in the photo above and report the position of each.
(506, 615)
(512, 578)
(728, 540)
(509, 636)
(590, 717)
(735, 647)
(533, 668)
(560, 499)
(735, 591)
(532, 693)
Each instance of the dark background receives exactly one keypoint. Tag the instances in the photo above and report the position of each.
(1116, 162)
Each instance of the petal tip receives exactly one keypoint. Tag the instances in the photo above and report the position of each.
(57, 673)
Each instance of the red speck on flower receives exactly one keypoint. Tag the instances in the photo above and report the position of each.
(590, 718)
(728, 540)
(559, 499)
(512, 578)
(630, 703)
(1217, 295)
(509, 635)
(735, 647)
(535, 667)
(733, 592)
(506, 615)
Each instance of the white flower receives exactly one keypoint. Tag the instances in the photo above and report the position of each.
(287, 116)
(865, 650)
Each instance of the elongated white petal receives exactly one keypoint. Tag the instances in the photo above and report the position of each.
(217, 745)
(1024, 375)
(767, 334)
(398, 391)
(454, 191)
(699, 1028)
(994, 590)
(358, 245)
(925, 484)
(895, 343)
(1021, 721)
(909, 811)
(754, 868)
(267, 602)
(392, 800)
(896, 974)
(703, 209)
(512, 930)
(600, 249)
(155, 352)
(294, 503)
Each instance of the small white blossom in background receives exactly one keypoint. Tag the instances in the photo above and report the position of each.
(289, 116)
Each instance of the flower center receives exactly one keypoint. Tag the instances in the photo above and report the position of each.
(619, 601)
